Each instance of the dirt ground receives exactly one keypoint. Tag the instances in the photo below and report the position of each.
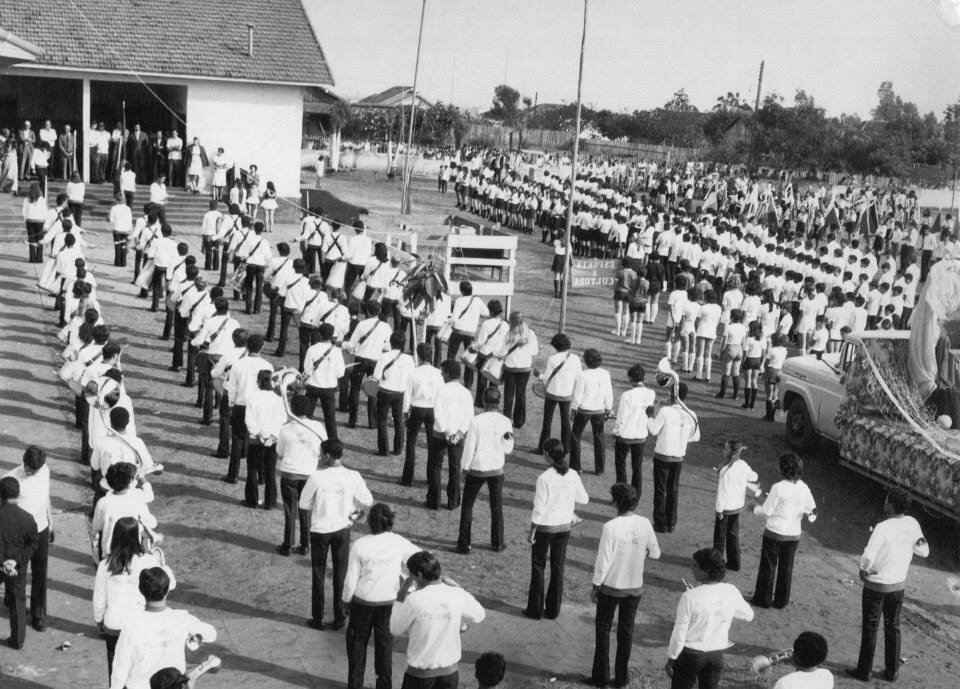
(229, 574)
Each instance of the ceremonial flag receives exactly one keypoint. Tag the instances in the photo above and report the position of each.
(831, 218)
(868, 222)
(711, 200)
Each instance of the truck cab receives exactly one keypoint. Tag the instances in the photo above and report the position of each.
(811, 389)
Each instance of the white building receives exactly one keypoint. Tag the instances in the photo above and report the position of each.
(232, 75)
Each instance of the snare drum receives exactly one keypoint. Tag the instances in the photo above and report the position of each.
(540, 390)
(469, 358)
(370, 386)
(493, 370)
(445, 331)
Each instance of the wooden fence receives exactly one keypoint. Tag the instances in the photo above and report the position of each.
(552, 140)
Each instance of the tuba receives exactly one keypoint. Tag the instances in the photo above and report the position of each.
(288, 382)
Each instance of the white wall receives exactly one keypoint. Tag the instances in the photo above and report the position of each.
(254, 123)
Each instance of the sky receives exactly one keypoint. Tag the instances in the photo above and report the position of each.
(639, 52)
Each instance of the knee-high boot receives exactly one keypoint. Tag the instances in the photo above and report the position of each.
(723, 388)
(736, 387)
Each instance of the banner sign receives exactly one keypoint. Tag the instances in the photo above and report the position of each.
(592, 272)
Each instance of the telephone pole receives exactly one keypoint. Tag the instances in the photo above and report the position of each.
(759, 87)
(406, 191)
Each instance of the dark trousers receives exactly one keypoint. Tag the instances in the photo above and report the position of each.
(875, 604)
(364, 620)
(606, 608)
(167, 324)
(211, 255)
(34, 235)
(451, 681)
(224, 264)
(430, 336)
(327, 399)
(179, 340)
(549, 406)
(726, 538)
(261, 461)
(353, 272)
(205, 391)
(621, 448)
(286, 315)
(697, 668)
(471, 489)
(453, 346)
(437, 446)
(225, 423)
(120, 249)
(253, 289)
(362, 368)
(128, 198)
(290, 490)
(775, 573)
(580, 421)
(137, 263)
(38, 577)
(238, 439)
(418, 416)
(310, 258)
(276, 302)
(515, 396)
(15, 598)
(666, 487)
(77, 210)
(338, 543)
(156, 287)
(554, 544)
(304, 333)
(392, 403)
(111, 641)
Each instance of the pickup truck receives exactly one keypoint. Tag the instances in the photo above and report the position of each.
(839, 398)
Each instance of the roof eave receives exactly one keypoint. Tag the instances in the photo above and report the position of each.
(170, 75)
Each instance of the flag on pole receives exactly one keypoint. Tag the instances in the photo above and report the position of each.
(710, 202)
(832, 217)
(868, 222)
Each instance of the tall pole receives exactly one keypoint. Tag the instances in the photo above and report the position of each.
(405, 198)
(759, 87)
(568, 251)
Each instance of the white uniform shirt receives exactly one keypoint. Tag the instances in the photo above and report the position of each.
(625, 542)
(375, 336)
(467, 312)
(704, 616)
(556, 497)
(785, 507)
(375, 566)
(265, 415)
(631, 421)
(674, 428)
(422, 387)
(452, 409)
(151, 641)
(732, 483)
(298, 446)
(331, 495)
(488, 440)
(323, 364)
(34, 494)
(890, 550)
(593, 391)
(114, 506)
(565, 379)
(243, 377)
(491, 336)
(431, 618)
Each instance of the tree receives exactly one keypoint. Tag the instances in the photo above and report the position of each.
(505, 105)
(731, 102)
(680, 103)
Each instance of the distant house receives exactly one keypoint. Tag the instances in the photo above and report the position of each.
(391, 98)
(738, 131)
(233, 76)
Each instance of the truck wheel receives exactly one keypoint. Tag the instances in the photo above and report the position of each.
(801, 433)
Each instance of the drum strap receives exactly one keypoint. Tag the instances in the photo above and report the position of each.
(336, 243)
(128, 444)
(195, 305)
(514, 347)
(92, 359)
(367, 335)
(216, 333)
(323, 318)
(386, 368)
(466, 308)
(374, 271)
(322, 358)
(255, 247)
(495, 331)
(310, 301)
(555, 371)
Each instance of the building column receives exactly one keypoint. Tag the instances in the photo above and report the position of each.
(85, 130)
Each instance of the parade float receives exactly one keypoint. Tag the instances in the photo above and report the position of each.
(890, 399)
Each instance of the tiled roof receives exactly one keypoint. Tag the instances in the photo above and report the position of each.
(199, 38)
(392, 97)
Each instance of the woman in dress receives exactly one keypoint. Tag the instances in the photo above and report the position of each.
(219, 175)
(269, 205)
(559, 490)
(8, 167)
(116, 592)
(253, 191)
(198, 161)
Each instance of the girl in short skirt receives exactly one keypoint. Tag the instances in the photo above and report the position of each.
(559, 264)
(753, 350)
(269, 205)
(731, 353)
(773, 363)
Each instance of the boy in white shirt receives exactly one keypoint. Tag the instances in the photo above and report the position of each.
(675, 426)
(630, 428)
(592, 402)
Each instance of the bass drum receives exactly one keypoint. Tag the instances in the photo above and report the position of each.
(370, 386)
(493, 370)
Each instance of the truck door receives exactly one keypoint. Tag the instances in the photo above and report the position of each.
(833, 395)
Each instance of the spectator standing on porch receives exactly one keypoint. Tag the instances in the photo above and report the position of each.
(67, 153)
(175, 159)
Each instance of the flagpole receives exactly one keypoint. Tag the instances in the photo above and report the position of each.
(568, 249)
(405, 187)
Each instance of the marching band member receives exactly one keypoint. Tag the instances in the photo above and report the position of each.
(298, 296)
(323, 367)
(418, 400)
(129, 496)
(242, 379)
(298, 447)
(264, 415)
(220, 377)
(490, 338)
(370, 339)
(313, 309)
(393, 371)
(278, 275)
(209, 227)
(466, 313)
(212, 340)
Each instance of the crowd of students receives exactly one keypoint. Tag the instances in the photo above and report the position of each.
(345, 294)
